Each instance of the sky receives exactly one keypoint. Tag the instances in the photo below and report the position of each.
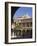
(23, 11)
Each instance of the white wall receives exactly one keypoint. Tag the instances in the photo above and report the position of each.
(2, 24)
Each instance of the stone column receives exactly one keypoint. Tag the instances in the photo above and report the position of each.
(21, 32)
(29, 24)
(25, 24)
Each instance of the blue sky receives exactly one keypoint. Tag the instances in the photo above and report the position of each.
(23, 11)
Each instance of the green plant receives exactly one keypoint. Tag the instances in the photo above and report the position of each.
(17, 26)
